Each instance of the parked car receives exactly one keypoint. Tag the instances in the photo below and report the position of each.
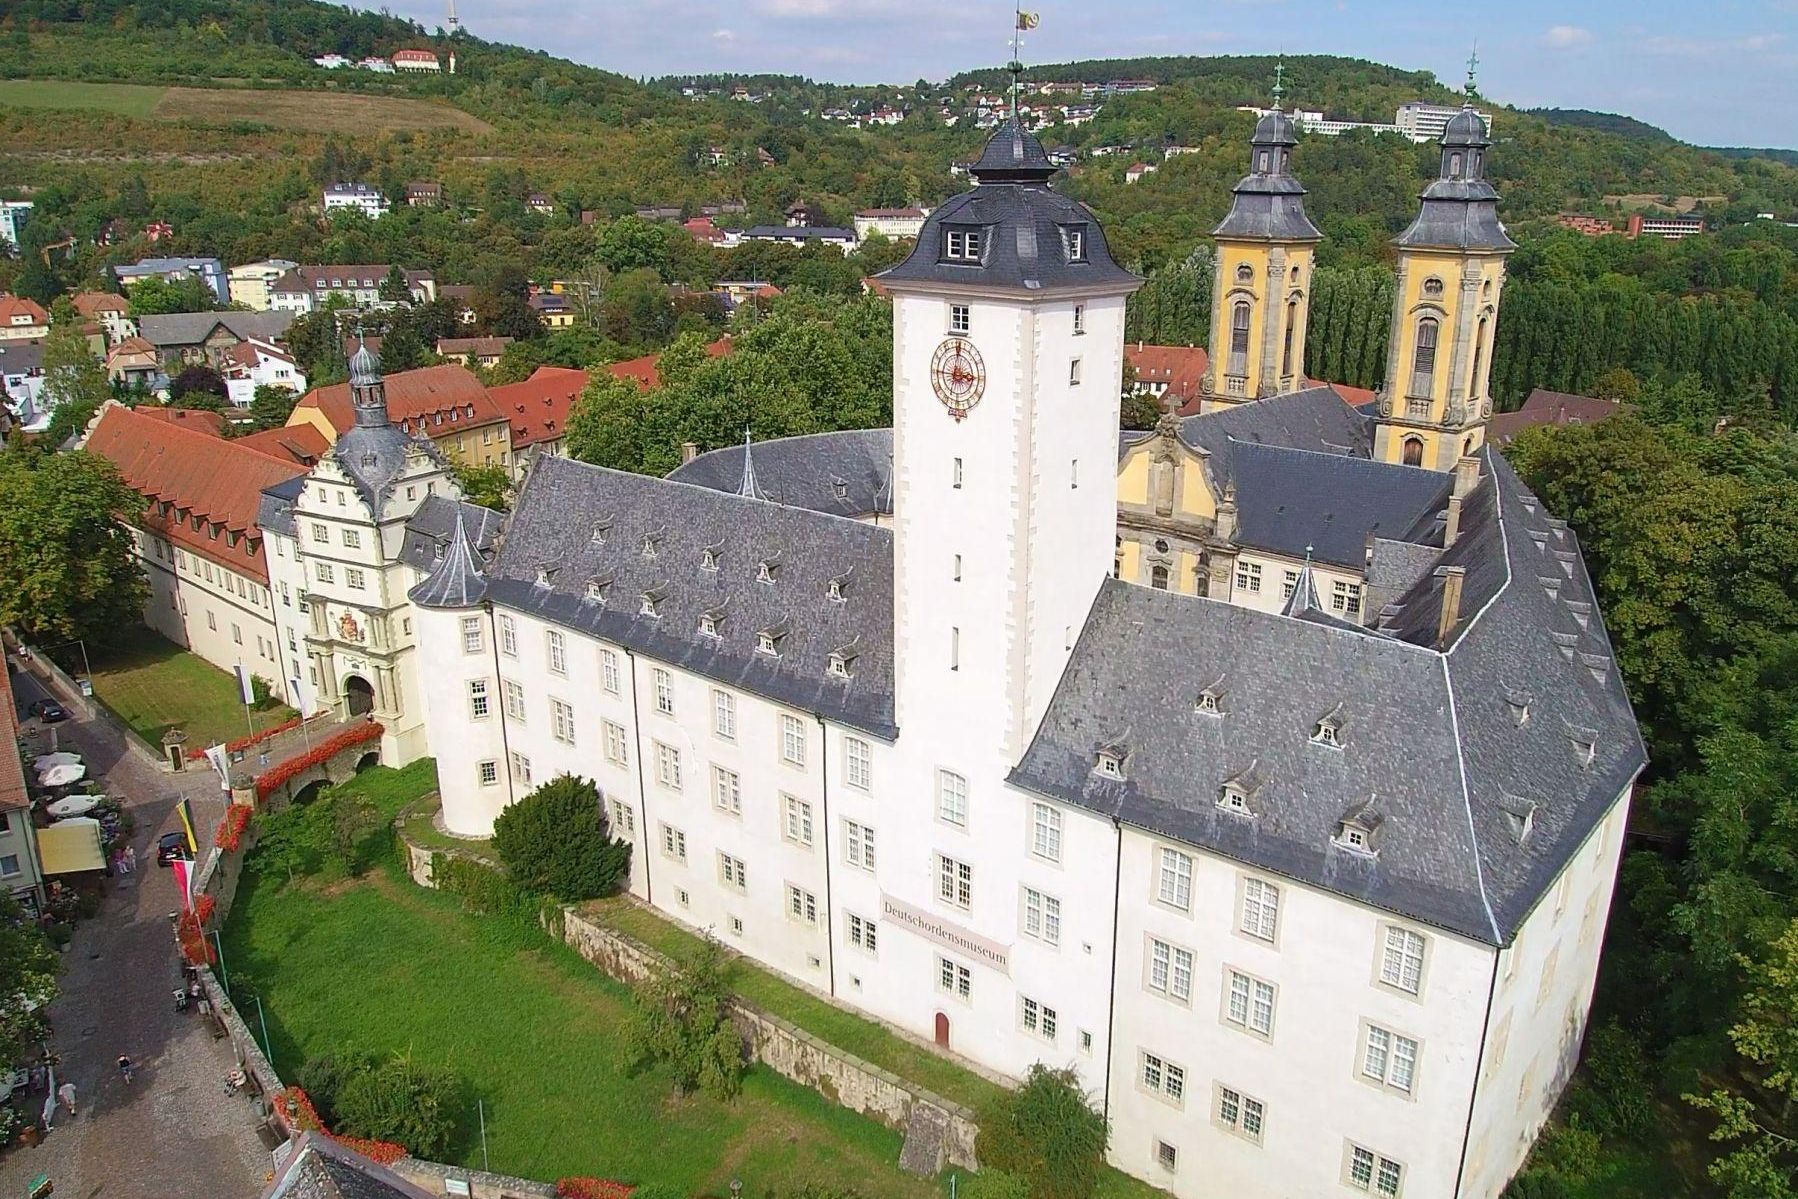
(47, 710)
(172, 847)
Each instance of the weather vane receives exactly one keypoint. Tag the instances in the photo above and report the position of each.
(1473, 62)
(1279, 80)
(1025, 22)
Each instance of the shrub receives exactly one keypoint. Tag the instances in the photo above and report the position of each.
(1570, 1150)
(401, 1100)
(994, 1184)
(1537, 1184)
(322, 1078)
(555, 840)
(681, 1020)
(1615, 1100)
(1047, 1134)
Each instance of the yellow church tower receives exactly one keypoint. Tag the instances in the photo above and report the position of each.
(1451, 268)
(1261, 293)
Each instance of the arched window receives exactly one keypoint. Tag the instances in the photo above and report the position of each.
(1239, 338)
(1292, 320)
(1476, 386)
(1158, 578)
(1467, 446)
(1423, 357)
(1413, 451)
(1454, 166)
(1262, 164)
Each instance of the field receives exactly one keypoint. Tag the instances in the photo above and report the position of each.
(152, 684)
(307, 111)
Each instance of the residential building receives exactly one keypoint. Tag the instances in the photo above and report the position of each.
(554, 308)
(209, 271)
(476, 351)
(538, 411)
(135, 362)
(250, 283)
(424, 193)
(191, 338)
(13, 216)
(416, 60)
(1590, 226)
(107, 314)
(21, 868)
(642, 371)
(365, 199)
(461, 295)
(703, 229)
(540, 203)
(1169, 373)
(444, 404)
(22, 319)
(376, 64)
(890, 222)
(22, 381)
(1135, 171)
(1670, 226)
(331, 62)
(254, 364)
(923, 766)
(1314, 121)
(303, 289)
(1545, 407)
(1424, 122)
(1125, 87)
(803, 235)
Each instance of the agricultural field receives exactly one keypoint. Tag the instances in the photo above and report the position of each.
(305, 111)
(126, 99)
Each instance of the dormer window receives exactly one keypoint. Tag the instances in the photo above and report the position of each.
(1352, 837)
(1356, 830)
(961, 243)
(1520, 816)
(1207, 703)
(839, 666)
(765, 571)
(837, 590)
(546, 575)
(652, 605)
(1234, 799)
(708, 559)
(1585, 746)
(1073, 240)
(1109, 764)
(768, 642)
(596, 592)
(649, 545)
(1328, 730)
(708, 624)
(1519, 704)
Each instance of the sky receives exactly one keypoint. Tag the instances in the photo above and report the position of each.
(1712, 72)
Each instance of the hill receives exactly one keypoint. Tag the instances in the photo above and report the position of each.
(1606, 122)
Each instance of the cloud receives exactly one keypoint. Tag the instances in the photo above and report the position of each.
(1562, 37)
(723, 35)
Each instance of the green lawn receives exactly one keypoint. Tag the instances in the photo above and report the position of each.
(128, 99)
(152, 684)
(415, 823)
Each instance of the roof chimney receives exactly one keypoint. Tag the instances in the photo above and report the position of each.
(1467, 476)
(1453, 577)
(689, 450)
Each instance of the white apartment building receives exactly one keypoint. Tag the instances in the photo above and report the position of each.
(13, 215)
(368, 200)
(257, 363)
(249, 284)
(1423, 122)
(890, 222)
(1294, 890)
(304, 289)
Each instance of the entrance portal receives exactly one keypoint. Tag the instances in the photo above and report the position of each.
(360, 695)
(942, 1029)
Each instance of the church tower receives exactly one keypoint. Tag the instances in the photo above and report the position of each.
(1261, 292)
(1451, 267)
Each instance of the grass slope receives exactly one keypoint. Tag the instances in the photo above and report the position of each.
(153, 685)
(275, 108)
(127, 99)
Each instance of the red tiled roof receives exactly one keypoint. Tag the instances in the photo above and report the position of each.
(12, 768)
(480, 347)
(92, 303)
(414, 56)
(432, 400)
(302, 443)
(16, 306)
(187, 474)
(643, 370)
(208, 422)
(1544, 407)
(538, 407)
(1179, 367)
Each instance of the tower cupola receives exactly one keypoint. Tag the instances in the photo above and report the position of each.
(368, 392)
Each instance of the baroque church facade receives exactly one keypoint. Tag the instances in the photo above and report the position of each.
(1308, 892)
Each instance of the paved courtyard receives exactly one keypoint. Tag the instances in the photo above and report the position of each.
(173, 1132)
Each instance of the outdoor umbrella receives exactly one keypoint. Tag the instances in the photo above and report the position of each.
(74, 805)
(65, 758)
(62, 776)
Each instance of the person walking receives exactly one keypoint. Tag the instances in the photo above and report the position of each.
(49, 1112)
(130, 859)
(125, 1067)
(66, 1093)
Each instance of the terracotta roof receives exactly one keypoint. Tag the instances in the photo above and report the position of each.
(132, 347)
(208, 422)
(430, 401)
(414, 56)
(188, 475)
(12, 307)
(643, 370)
(303, 444)
(538, 407)
(480, 347)
(1180, 367)
(92, 303)
(13, 793)
(1544, 407)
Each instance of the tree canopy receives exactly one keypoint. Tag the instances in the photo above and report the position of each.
(67, 567)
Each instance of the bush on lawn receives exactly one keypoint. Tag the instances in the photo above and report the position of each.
(401, 1100)
(995, 1184)
(555, 841)
(337, 832)
(1537, 1184)
(322, 1079)
(1047, 1134)
(681, 1021)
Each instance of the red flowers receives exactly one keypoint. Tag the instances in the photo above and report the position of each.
(295, 1108)
(203, 909)
(243, 743)
(231, 828)
(195, 948)
(592, 1188)
(270, 781)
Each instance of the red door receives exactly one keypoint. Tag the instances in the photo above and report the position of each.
(942, 1029)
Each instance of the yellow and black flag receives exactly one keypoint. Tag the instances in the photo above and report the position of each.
(1028, 20)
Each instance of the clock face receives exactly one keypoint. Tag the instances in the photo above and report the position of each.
(958, 375)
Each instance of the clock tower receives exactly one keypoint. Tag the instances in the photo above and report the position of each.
(1008, 335)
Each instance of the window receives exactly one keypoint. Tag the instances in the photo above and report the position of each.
(1166, 1156)
(1045, 834)
(952, 797)
(1039, 1018)
(1260, 909)
(1401, 964)
(558, 652)
(615, 744)
(1248, 576)
(521, 768)
(471, 633)
(1345, 597)
(1073, 372)
(959, 321)
(477, 699)
(954, 978)
(237, 633)
(353, 577)
(796, 820)
(352, 539)
(1249, 1003)
(1042, 917)
(489, 773)
(667, 766)
(327, 575)
(561, 722)
(957, 475)
(802, 905)
(608, 670)
(961, 245)
(674, 843)
(858, 764)
(858, 844)
(624, 821)
(1074, 238)
(664, 689)
(1175, 887)
(733, 872)
(1239, 1113)
(1374, 1173)
(1423, 357)
(1292, 320)
(954, 881)
(1162, 1077)
(727, 791)
(1079, 320)
(862, 934)
(724, 715)
(954, 648)
(1239, 338)
(320, 533)
(1389, 1059)
(1170, 970)
(515, 701)
(1158, 577)
(792, 740)
(1413, 451)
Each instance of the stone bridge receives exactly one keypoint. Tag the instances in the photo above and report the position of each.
(293, 765)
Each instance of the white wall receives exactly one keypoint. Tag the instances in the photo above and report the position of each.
(223, 616)
(1272, 595)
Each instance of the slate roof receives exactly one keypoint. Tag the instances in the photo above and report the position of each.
(1432, 743)
(846, 474)
(320, 1168)
(169, 329)
(799, 232)
(428, 532)
(1303, 503)
(574, 523)
(1023, 218)
(21, 356)
(1460, 211)
(1313, 419)
(1269, 205)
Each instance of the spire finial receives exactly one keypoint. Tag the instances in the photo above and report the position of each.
(748, 488)
(1279, 79)
(1473, 63)
(1024, 22)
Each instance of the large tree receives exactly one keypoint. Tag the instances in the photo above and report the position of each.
(74, 381)
(153, 295)
(555, 841)
(28, 968)
(67, 568)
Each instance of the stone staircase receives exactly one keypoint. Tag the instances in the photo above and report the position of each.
(925, 1131)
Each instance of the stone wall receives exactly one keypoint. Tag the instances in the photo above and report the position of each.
(788, 1049)
(436, 1178)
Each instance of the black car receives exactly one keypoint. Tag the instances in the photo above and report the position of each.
(172, 847)
(47, 710)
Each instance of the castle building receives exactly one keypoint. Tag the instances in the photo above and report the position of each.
(1309, 896)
